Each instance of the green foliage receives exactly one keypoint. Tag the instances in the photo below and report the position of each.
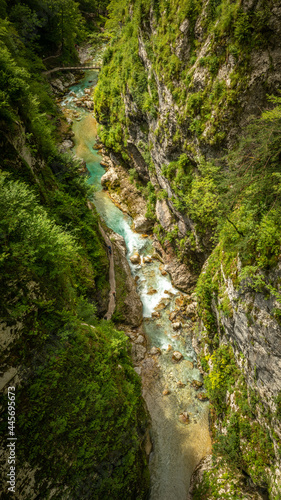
(221, 377)
(81, 415)
(278, 405)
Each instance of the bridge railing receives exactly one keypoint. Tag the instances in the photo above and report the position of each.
(70, 68)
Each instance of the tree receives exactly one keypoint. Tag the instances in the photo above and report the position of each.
(26, 22)
(65, 23)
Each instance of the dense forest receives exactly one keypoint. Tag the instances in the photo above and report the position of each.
(79, 412)
(188, 102)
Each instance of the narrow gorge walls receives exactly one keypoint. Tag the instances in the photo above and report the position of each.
(188, 101)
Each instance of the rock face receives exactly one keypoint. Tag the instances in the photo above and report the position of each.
(123, 191)
(164, 215)
(247, 322)
(176, 124)
(222, 481)
(253, 331)
(110, 178)
(129, 305)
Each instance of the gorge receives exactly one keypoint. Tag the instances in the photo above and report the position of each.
(140, 302)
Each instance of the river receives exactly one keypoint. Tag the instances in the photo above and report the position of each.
(178, 446)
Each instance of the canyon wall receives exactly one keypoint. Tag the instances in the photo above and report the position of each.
(184, 105)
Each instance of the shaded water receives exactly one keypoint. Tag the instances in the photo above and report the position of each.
(178, 447)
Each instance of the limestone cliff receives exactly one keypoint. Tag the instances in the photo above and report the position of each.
(182, 102)
(195, 75)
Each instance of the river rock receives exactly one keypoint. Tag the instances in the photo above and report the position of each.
(155, 351)
(65, 145)
(155, 314)
(140, 339)
(142, 224)
(177, 325)
(151, 291)
(147, 260)
(202, 396)
(110, 177)
(135, 258)
(89, 104)
(156, 256)
(184, 418)
(104, 164)
(173, 315)
(177, 356)
(87, 91)
(138, 352)
(191, 310)
(196, 384)
(161, 306)
(180, 384)
(166, 392)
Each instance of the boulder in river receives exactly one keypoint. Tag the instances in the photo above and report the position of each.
(155, 351)
(147, 259)
(184, 418)
(177, 325)
(151, 291)
(196, 384)
(166, 392)
(135, 258)
(156, 256)
(177, 356)
(155, 314)
(202, 396)
(191, 310)
(180, 384)
(173, 315)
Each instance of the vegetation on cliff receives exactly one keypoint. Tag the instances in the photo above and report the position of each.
(80, 418)
(181, 81)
